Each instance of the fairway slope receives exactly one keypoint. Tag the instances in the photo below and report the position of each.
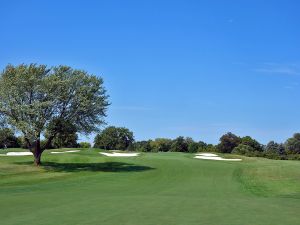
(154, 188)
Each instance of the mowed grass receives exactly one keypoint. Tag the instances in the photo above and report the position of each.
(154, 188)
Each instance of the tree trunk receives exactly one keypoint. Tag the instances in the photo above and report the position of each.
(37, 153)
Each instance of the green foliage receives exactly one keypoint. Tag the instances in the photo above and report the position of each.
(247, 140)
(202, 146)
(22, 143)
(209, 148)
(228, 142)
(292, 145)
(143, 146)
(193, 147)
(161, 145)
(114, 138)
(247, 150)
(242, 149)
(84, 145)
(66, 136)
(179, 145)
(293, 157)
(274, 150)
(8, 139)
(249, 147)
(34, 97)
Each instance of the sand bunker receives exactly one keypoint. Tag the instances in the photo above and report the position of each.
(66, 151)
(207, 154)
(211, 156)
(118, 154)
(17, 154)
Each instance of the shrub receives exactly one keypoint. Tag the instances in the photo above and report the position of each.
(84, 145)
(161, 145)
(208, 148)
(142, 146)
(243, 149)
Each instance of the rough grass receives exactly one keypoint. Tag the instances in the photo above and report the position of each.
(159, 188)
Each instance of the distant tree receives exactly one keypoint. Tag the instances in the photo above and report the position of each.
(84, 145)
(243, 149)
(66, 138)
(228, 142)
(210, 148)
(161, 145)
(114, 138)
(8, 139)
(143, 146)
(22, 143)
(202, 146)
(292, 145)
(247, 140)
(34, 97)
(179, 145)
(273, 148)
(193, 147)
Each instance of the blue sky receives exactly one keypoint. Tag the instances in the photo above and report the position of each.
(190, 68)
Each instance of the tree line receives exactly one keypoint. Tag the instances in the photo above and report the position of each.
(68, 139)
(120, 138)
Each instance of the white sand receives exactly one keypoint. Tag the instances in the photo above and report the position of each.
(17, 154)
(211, 156)
(206, 154)
(66, 151)
(118, 154)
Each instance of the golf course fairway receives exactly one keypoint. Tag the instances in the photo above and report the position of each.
(153, 188)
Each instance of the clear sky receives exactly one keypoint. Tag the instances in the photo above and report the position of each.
(190, 68)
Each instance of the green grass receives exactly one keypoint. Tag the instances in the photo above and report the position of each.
(160, 188)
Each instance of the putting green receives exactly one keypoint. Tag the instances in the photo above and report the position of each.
(155, 188)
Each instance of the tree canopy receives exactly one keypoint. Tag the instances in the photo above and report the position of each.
(114, 138)
(34, 98)
(228, 142)
(8, 139)
(292, 144)
(66, 138)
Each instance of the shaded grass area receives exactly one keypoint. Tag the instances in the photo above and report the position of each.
(155, 188)
(92, 167)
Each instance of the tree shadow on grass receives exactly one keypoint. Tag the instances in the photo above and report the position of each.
(94, 167)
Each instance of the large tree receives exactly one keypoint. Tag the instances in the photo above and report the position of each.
(35, 98)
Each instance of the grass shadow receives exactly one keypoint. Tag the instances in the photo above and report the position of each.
(94, 167)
